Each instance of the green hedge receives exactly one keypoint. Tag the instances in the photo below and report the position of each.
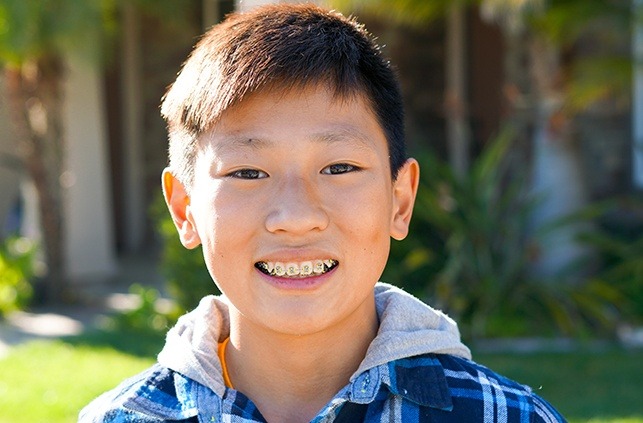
(187, 277)
(16, 270)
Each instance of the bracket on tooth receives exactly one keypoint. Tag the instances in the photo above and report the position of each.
(293, 269)
(306, 268)
(279, 269)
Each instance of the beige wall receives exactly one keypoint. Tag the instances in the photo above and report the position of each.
(88, 212)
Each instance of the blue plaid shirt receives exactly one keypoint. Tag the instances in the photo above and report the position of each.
(426, 388)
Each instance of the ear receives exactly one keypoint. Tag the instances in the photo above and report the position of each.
(404, 190)
(178, 202)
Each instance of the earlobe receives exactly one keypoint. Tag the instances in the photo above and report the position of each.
(178, 203)
(404, 191)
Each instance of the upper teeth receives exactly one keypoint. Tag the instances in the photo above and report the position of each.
(292, 269)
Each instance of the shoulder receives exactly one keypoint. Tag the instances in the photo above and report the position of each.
(149, 397)
(447, 388)
(475, 388)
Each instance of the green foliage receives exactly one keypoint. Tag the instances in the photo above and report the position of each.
(16, 270)
(600, 78)
(603, 72)
(591, 75)
(148, 316)
(470, 253)
(185, 271)
(621, 253)
(170, 13)
(556, 307)
(412, 12)
(35, 28)
(30, 29)
(481, 221)
(566, 21)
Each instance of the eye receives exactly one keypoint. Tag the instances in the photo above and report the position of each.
(339, 168)
(248, 174)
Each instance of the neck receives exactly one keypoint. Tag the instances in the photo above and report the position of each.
(291, 377)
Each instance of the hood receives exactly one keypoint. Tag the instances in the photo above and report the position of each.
(191, 345)
(408, 327)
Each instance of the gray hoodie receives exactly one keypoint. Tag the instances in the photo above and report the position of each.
(408, 327)
(399, 379)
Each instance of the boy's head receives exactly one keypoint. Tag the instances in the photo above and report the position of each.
(279, 47)
(287, 166)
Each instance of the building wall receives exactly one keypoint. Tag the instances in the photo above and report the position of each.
(88, 222)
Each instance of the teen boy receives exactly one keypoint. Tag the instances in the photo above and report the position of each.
(288, 167)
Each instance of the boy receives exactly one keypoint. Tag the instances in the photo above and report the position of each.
(287, 165)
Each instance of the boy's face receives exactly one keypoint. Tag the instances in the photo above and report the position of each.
(294, 206)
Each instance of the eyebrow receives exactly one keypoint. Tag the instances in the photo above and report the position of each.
(345, 134)
(342, 135)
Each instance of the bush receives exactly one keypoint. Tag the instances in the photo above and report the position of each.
(187, 277)
(619, 243)
(16, 270)
(148, 316)
(470, 250)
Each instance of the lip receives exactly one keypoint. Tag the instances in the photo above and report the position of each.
(296, 254)
(297, 284)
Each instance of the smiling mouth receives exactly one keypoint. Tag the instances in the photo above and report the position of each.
(302, 269)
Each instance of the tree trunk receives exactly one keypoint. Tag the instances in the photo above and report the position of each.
(35, 102)
(458, 134)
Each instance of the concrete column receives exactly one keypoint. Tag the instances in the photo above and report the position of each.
(88, 220)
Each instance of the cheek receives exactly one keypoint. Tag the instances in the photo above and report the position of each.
(368, 208)
(366, 217)
(227, 222)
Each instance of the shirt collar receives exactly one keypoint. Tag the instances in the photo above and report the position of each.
(418, 379)
(164, 394)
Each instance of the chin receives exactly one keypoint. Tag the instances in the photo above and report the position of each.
(301, 322)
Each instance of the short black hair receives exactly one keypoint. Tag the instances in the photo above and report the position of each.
(285, 46)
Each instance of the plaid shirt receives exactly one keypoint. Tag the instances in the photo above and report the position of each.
(426, 388)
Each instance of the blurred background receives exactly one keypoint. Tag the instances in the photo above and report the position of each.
(526, 116)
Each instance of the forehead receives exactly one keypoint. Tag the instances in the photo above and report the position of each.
(313, 112)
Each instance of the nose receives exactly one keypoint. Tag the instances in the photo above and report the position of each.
(296, 208)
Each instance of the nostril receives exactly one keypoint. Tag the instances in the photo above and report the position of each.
(297, 219)
(297, 206)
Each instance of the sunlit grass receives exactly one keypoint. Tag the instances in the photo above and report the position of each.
(594, 387)
(51, 381)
